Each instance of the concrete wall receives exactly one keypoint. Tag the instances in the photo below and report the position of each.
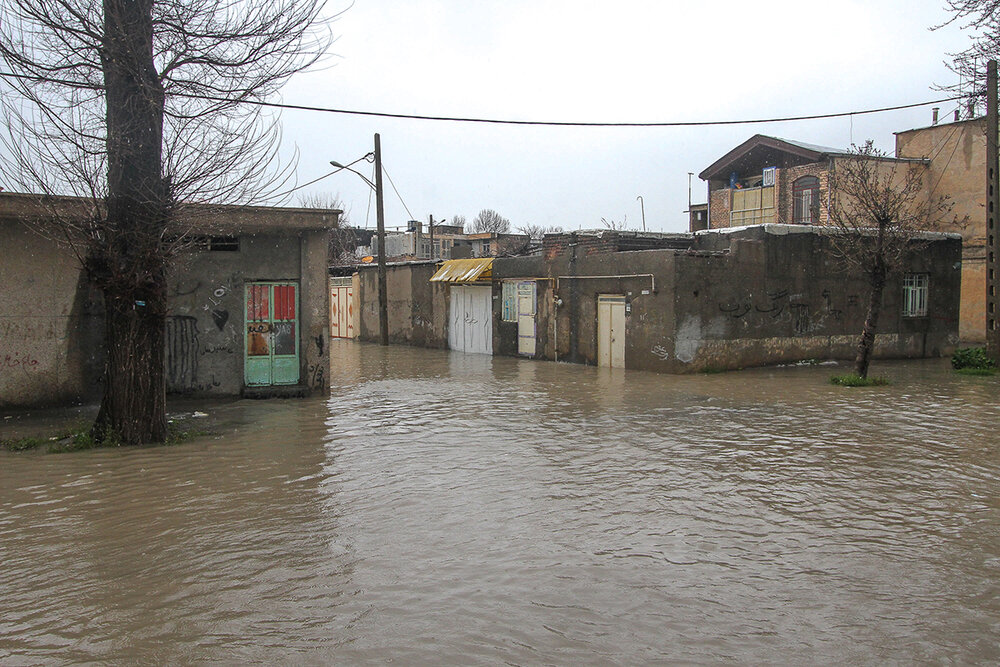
(205, 338)
(418, 308)
(780, 295)
(748, 297)
(51, 323)
(505, 334)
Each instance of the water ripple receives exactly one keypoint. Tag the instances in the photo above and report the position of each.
(449, 509)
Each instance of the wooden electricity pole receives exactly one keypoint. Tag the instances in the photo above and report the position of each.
(992, 193)
(383, 297)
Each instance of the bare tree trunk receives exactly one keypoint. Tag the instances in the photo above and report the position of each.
(867, 342)
(130, 264)
(134, 403)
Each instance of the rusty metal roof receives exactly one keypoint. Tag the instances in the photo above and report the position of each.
(464, 271)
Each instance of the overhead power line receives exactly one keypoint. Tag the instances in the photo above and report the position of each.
(549, 123)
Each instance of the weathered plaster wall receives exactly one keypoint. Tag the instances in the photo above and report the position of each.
(644, 278)
(505, 334)
(780, 297)
(205, 339)
(745, 297)
(315, 311)
(51, 320)
(51, 323)
(418, 308)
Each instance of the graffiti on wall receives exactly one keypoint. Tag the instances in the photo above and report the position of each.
(18, 361)
(781, 306)
(316, 376)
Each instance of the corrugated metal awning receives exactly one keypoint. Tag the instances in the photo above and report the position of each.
(464, 271)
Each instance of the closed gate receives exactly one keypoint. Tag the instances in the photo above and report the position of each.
(526, 305)
(341, 310)
(611, 330)
(471, 319)
(272, 342)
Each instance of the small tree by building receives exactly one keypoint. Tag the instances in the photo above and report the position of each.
(877, 204)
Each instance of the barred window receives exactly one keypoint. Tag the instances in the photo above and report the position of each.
(805, 195)
(915, 294)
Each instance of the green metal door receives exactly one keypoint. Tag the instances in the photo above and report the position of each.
(271, 353)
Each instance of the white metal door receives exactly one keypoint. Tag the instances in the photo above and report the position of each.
(526, 299)
(611, 330)
(471, 319)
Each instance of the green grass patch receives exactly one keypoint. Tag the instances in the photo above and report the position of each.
(853, 380)
(81, 438)
(22, 444)
(976, 371)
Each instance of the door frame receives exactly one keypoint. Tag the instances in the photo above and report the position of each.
(462, 318)
(611, 330)
(288, 366)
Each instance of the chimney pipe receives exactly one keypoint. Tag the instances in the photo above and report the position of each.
(934, 115)
(957, 115)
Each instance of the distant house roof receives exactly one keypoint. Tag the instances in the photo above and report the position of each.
(761, 149)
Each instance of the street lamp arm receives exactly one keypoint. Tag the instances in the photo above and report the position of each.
(334, 163)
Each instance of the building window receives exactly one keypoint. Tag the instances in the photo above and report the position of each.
(915, 294)
(509, 309)
(486, 248)
(805, 194)
(216, 243)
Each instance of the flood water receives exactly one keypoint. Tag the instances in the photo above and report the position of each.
(443, 508)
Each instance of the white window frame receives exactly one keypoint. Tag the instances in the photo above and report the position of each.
(916, 288)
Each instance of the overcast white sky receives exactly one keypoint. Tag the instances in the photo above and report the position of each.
(622, 61)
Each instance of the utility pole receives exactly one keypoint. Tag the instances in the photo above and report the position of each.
(430, 225)
(992, 192)
(383, 297)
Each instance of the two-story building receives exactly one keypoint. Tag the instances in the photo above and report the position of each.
(771, 180)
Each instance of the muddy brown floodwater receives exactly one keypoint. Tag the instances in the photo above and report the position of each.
(449, 509)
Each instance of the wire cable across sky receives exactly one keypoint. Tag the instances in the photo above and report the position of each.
(549, 123)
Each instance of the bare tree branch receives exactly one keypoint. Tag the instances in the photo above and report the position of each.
(111, 106)
(877, 206)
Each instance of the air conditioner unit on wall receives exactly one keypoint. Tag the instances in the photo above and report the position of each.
(768, 176)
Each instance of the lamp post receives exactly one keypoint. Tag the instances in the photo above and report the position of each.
(383, 298)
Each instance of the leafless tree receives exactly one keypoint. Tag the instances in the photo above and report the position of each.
(458, 221)
(877, 204)
(489, 220)
(343, 238)
(982, 19)
(536, 232)
(144, 106)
